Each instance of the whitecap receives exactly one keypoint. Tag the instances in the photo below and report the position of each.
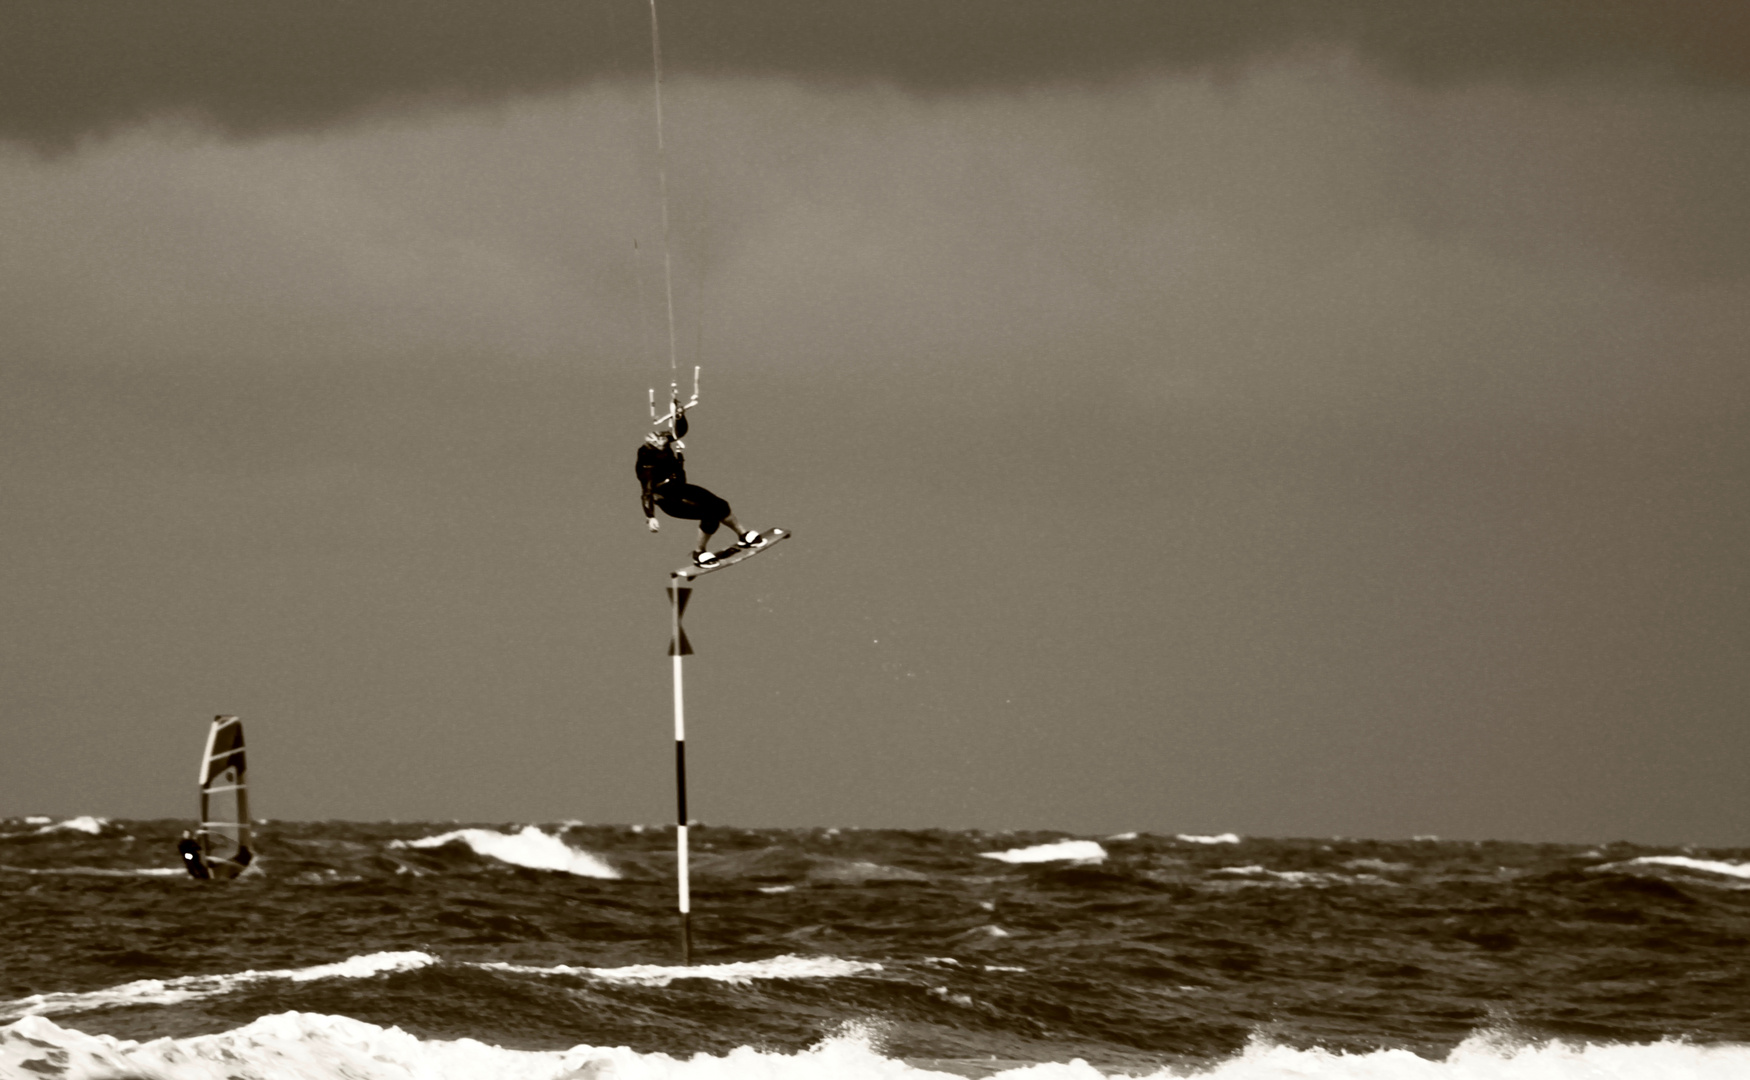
(1223, 838)
(1263, 875)
(195, 987)
(531, 848)
(1377, 864)
(312, 1044)
(739, 973)
(1081, 851)
(99, 871)
(84, 824)
(1706, 866)
(1295, 877)
(1488, 1056)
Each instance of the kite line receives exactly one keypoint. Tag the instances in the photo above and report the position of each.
(662, 182)
(663, 476)
(677, 595)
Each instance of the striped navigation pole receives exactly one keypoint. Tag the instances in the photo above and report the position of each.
(679, 590)
(678, 646)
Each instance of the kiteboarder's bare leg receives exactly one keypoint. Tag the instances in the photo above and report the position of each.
(708, 528)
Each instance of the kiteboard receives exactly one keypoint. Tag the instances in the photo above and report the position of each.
(729, 556)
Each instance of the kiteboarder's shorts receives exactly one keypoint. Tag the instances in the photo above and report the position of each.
(694, 503)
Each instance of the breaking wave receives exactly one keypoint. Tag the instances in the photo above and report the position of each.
(84, 824)
(193, 987)
(1684, 862)
(1081, 851)
(739, 974)
(531, 847)
(313, 1044)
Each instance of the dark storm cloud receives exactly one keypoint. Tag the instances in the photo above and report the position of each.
(75, 68)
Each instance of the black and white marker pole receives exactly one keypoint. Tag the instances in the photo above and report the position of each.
(678, 646)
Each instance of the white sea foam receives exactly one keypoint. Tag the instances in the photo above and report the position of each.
(1255, 871)
(531, 848)
(1223, 838)
(194, 987)
(85, 824)
(311, 1045)
(1706, 866)
(741, 973)
(1487, 1057)
(1376, 864)
(1082, 851)
(1262, 875)
(99, 871)
(37, 819)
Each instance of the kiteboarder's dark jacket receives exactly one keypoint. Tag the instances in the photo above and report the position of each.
(659, 466)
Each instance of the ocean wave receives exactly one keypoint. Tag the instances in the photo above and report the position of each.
(531, 847)
(1083, 851)
(194, 987)
(780, 863)
(1223, 838)
(91, 826)
(313, 1044)
(99, 871)
(1165, 952)
(1684, 862)
(1264, 875)
(740, 974)
(84, 824)
(1490, 1055)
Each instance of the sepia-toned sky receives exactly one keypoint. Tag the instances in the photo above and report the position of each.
(1285, 418)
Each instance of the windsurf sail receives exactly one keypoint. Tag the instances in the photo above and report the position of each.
(225, 832)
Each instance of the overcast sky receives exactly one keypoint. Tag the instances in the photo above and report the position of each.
(1289, 418)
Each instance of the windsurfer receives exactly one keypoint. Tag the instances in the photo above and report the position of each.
(191, 856)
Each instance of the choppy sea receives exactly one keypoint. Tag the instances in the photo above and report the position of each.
(550, 951)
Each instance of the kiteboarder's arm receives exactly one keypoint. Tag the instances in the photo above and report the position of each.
(646, 473)
(657, 467)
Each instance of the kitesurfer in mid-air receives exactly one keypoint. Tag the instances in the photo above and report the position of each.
(663, 473)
